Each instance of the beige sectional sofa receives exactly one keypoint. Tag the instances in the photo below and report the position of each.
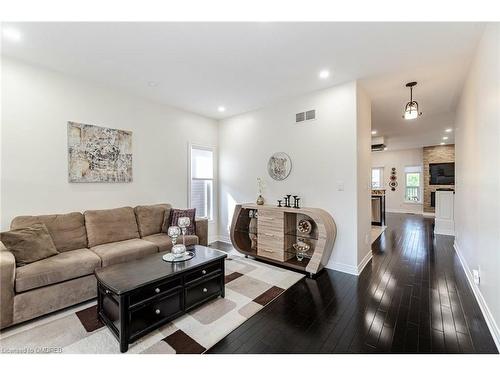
(96, 238)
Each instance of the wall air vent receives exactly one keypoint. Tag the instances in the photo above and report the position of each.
(305, 116)
(311, 115)
(378, 143)
(379, 147)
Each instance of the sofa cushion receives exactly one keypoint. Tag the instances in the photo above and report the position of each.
(64, 266)
(105, 226)
(67, 230)
(188, 212)
(29, 244)
(164, 242)
(123, 251)
(150, 218)
(161, 240)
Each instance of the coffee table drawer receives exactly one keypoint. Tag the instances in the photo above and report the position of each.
(154, 289)
(154, 312)
(199, 292)
(202, 272)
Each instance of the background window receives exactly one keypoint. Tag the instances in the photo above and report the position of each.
(201, 195)
(377, 178)
(413, 179)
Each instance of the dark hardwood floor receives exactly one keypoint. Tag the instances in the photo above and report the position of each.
(413, 297)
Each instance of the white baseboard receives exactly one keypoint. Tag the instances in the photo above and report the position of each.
(352, 270)
(346, 268)
(488, 316)
(364, 262)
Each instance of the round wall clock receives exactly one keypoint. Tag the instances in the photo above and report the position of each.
(279, 166)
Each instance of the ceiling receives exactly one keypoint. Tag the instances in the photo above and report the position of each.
(244, 66)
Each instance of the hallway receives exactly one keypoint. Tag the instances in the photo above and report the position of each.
(413, 297)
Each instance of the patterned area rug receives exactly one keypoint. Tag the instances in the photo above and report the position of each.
(250, 285)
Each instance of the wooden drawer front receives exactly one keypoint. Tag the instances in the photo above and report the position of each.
(271, 222)
(271, 252)
(158, 310)
(200, 292)
(270, 215)
(271, 246)
(152, 290)
(273, 240)
(205, 271)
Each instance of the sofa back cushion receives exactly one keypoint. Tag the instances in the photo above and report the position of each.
(67, 230)
(105, 226)
(29, 244)
(150, 218)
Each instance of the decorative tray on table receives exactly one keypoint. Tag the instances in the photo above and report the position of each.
(169, 257)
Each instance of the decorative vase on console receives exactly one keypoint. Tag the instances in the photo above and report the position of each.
(178, 250)
(252, 229)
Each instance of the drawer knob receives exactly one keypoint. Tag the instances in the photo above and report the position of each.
(204, 272)
(205, 290)
(157, 290)
(157, 311)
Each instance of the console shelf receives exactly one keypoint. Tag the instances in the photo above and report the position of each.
(268, 233)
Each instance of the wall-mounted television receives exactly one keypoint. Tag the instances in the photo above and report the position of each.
(442, 173)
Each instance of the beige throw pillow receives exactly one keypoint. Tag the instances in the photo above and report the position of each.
(29, 244)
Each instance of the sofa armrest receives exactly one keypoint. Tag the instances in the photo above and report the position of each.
(202, 230)
(7, 277)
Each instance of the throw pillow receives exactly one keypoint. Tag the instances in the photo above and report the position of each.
(175, 214)
(29, 244)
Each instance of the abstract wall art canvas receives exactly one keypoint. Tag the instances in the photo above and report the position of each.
(98, 154)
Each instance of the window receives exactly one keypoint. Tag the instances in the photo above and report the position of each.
(378, 178)
(413, 179)
(201, 189)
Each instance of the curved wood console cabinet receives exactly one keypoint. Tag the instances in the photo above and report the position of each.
(269, 233)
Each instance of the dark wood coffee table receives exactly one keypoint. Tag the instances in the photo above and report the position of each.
(136, 297)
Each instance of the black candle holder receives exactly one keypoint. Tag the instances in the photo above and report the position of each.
(287, 200)
(296, 200)
(279, 203)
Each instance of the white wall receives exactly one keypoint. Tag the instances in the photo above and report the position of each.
(323, 153)
(395, 200)
(477, 153)
(36, 105)
(364, 127)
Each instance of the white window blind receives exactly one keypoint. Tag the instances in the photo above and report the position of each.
(202, 181)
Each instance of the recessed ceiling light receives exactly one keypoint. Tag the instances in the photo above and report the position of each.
(449, 130)
(152, 84)
(442, 143)
(445, 138)
(324, 74)
(221, 108)
(11, 34)
(374, 132)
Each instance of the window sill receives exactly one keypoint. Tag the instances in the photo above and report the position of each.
(412, 202)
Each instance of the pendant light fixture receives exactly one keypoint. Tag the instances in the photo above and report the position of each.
(411, 108)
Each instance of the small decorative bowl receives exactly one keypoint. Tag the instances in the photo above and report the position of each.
(178, 250)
